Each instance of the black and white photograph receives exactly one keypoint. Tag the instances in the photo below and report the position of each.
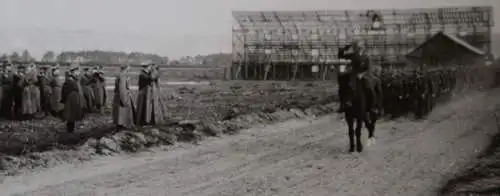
(249, 98)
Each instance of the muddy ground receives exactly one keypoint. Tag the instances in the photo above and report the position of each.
(297, 157)
(193, 112)
(410, 158)
(481, 176)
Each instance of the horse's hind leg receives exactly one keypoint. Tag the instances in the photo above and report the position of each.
(350, 131)
(359, 126)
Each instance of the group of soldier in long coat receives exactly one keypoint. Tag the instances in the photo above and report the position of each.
(147, 109)
(77, 98)
(29, 92)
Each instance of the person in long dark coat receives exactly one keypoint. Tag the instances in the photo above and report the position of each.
(56, 84)
(99, 87)
(44, 80)
(159, 110)
(123, 104)
(30, 104)
(362, 68)
(1, 86)
(86, 81)
(17, 90)
(73, 99)
(147, 102)
(7, 100)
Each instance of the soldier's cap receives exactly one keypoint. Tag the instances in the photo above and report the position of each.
(123, 67)
(73, 67)
(21, 66)
(86, 69)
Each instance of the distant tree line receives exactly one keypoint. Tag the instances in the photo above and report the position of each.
(110, 57)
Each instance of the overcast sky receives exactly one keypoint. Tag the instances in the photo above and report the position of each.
(168, 27)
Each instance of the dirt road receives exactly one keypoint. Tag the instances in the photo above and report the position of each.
(298, 157)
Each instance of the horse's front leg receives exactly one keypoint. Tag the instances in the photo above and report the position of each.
(370, 125)
(350, 131)
(359, 126)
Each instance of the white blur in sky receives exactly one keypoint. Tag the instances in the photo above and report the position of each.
(166, 27)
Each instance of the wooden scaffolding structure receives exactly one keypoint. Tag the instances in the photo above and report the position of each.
(290, 45)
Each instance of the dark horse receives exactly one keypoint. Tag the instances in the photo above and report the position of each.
(360, 98)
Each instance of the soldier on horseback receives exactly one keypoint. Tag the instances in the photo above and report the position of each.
(362, 103)
(362, 68)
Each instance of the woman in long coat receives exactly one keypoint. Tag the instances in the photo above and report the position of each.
(147, 99)
(73, 99)
(99, 87)
(55, 98)
(123, 104)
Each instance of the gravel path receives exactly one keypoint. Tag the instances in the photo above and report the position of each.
(298, 157)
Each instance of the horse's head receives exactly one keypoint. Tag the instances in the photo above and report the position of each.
(344, 66)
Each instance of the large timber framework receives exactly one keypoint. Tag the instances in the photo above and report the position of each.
(302, 45)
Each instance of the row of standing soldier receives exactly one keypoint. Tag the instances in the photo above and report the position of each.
(125, 114)
(29, 92)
